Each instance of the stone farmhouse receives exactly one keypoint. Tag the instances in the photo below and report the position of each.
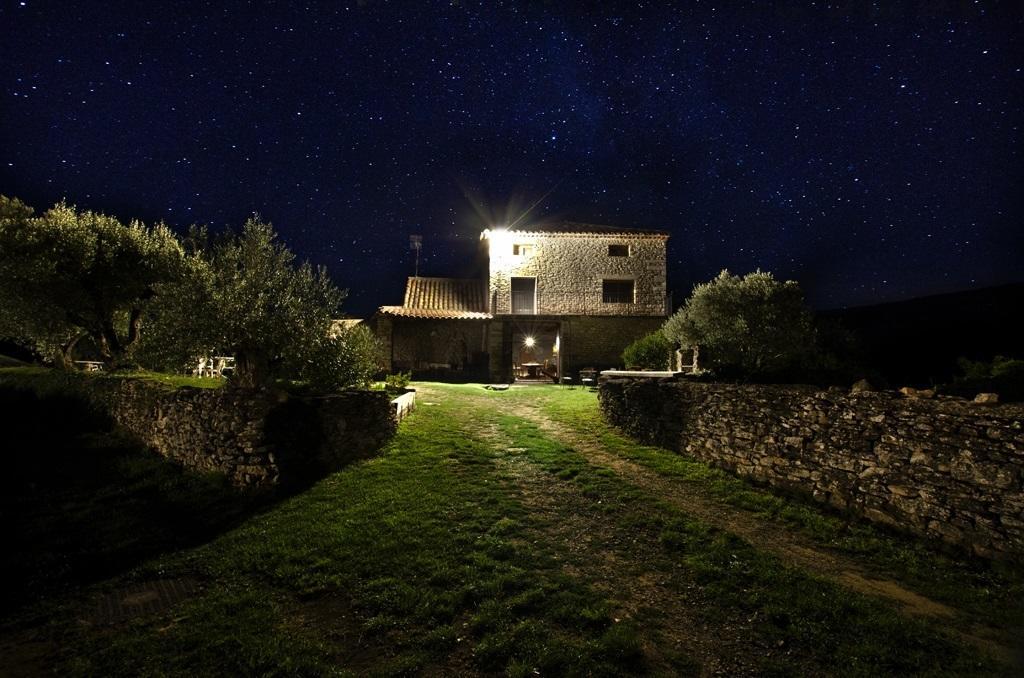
(555, 299)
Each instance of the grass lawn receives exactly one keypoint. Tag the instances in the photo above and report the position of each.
(80, 503)
(980, 589)
(480, 544)
(47, 378)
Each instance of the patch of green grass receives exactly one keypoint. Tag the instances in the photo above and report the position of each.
(846, 632)
(426, 560)
(37, 377)
(82, 502)
(425, 542)
(990, 591)
(46, 379)
(83, 507)
(229, 631)
(173, 380)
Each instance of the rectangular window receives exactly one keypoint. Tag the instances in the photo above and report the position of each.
(522, 250)
(618, 250)
(617, 291)
(524, 295)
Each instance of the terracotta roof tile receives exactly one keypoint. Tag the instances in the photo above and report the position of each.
(578, 228)
(451, 298)
(450, 294)
(433, 313)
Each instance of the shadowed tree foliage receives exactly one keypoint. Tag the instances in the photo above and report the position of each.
(347, 357)
(71, 273)
(44, 331)
(266, 310)
(244, 295)
(652, 352)
(751, 327)
(181, 321)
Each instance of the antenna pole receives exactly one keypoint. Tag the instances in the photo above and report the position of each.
(416, 243)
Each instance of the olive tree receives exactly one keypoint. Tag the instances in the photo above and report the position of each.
(44, 330)
(71, 273)
(751, 327)
(245, 295)
(180, 322)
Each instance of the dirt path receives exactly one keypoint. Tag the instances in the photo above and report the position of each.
(791, 548)
(596, 552)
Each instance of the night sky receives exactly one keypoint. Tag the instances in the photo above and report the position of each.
(871, 151)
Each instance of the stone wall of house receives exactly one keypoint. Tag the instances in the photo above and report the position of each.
(429, 346)
(569, 268)
(585, 341)
(598, 342)
(383, 327)
(946, 469)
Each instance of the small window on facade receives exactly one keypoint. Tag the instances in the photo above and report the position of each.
(617, 291)
(618, 250)
(522, 250)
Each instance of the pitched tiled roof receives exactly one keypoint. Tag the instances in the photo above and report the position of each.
(450, 294)
(433, 313)
(581, 228)
(458, 298)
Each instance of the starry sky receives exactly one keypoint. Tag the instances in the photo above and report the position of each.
(871, 151)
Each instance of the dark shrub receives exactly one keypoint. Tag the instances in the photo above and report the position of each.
(651, 352)
(1004, 376)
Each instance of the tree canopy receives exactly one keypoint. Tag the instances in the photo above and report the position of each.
(44, 330)
(245, 295)
(753, 327)
(70, 273)
(267, 308)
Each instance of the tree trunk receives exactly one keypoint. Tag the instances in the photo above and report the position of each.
(113, 350)
(62, 359)
(110, 346)
(134, 329)
(64, 356)
(100, 339)
(251, 369)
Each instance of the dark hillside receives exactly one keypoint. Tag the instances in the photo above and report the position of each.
(917, 342)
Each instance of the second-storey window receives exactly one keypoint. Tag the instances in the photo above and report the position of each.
(617, 291)
(618, 250)
(522, 250)
(524, 295)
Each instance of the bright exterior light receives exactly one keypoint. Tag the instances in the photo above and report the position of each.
(500, 250)
(529, 342)
(496, 233)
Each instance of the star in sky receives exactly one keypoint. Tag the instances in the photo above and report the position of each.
(870, 153)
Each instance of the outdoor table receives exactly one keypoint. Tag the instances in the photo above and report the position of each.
(532, 369)
(90, 365)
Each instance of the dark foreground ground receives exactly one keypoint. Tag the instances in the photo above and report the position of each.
(500, 533)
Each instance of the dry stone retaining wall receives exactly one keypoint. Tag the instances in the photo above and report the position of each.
(256, 438)
(945, 468)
